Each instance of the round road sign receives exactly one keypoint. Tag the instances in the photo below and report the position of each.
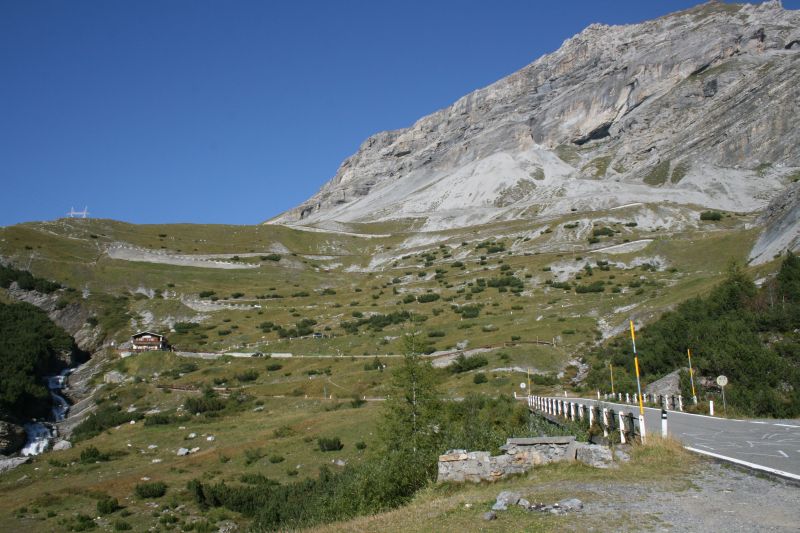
(722, 381)
(522, 385)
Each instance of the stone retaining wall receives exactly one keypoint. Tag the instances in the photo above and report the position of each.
(520, 455)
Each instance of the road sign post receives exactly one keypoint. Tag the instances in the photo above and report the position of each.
(722, 381)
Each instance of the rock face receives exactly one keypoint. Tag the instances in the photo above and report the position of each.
(667, 386)
(12, 437)
(697, 108)
(782, 221)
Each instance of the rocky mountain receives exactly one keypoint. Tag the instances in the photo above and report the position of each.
(697, 109)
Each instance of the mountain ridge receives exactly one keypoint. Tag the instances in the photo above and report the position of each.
(694, 108)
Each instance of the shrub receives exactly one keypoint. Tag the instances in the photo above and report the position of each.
(597, 286)
(271, 257)
(107, 505)
(92, 455)
(357, 402)
(437, 333)
(428, 297)
(122, 525)
(479, 378)
(207, 294)
(106, 416)
(247, 375)
(154, 489)
(465, 364)
(711, 215)
(329, 444)
(273, 367)
(275, 459)
(361, 445)
(283, 431)
(158, 419)
(209, 402)
(252, 455)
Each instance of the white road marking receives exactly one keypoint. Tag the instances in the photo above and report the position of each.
(782, 453)
(757, 422)
(745, 463)
(704, 446)
(786, 425)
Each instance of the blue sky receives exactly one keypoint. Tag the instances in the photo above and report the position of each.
(232, 112)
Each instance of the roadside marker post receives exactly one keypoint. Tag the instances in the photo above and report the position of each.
(664, 432)
(638, 383)
(711, 407)
(691, 375)
(611, 372)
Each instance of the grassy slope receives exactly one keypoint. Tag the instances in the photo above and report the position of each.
(67, 251)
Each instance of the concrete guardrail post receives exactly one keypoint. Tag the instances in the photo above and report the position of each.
(622, 427)
(605, 422)
(627, 398)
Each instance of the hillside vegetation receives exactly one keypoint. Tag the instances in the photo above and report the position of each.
(30, 346)
(748, 334)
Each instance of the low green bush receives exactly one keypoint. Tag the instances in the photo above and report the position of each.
(152, 489)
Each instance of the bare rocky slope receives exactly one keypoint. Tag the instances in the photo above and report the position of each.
(696, 109)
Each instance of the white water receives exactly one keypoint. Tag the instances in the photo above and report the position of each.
(40, 433)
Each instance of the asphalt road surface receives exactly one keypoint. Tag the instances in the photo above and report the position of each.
(768, 445)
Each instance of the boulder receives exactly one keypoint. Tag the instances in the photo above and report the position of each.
(491, 515)
(506, 498)
(570, 504)
(9, 463)
(595, 456)
(667, 386)
(183, 451)
(621, 456)
(114, 376)
(62, 445)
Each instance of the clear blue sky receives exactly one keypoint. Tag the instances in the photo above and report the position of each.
(234, 111)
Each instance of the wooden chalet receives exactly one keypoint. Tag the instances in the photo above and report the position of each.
(146, 341)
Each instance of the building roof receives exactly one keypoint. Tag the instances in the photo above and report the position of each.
(143, 333)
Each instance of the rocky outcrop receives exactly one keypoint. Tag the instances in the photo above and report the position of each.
(71, 318)
(669, 385)
(12, 437)
(781, 220)
(697, 108)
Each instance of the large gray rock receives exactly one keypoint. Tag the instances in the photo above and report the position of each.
(506, 498)
(595, 455)
(697, 108)
(669, 385)
(10, 463)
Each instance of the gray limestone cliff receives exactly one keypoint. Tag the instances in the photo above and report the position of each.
(697, 108)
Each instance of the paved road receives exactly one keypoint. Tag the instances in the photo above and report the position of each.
(768, 445)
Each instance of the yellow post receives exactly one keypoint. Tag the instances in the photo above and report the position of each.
(638, 382)
(691, 375)
(611, 370)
